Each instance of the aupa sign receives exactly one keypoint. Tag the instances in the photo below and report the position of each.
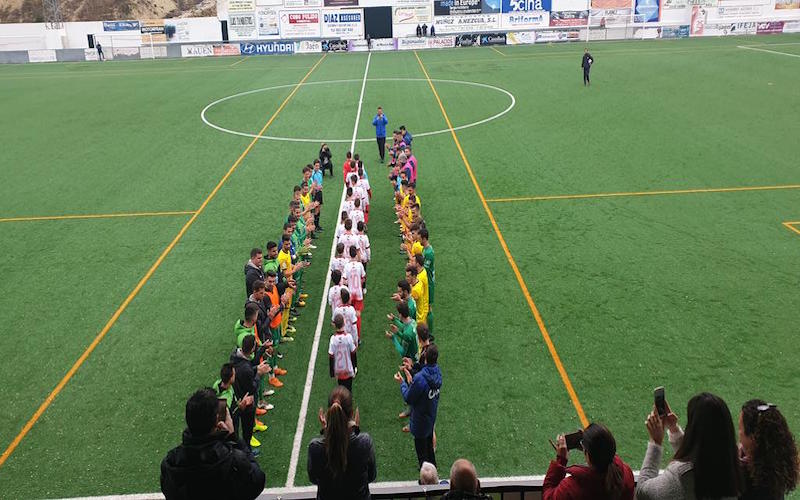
(526, 5)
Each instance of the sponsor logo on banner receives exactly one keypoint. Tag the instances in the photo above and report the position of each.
(675, 31)
(769, 28)
(242, 26)
(703, 3)
(121, 26)
(267, 19)
(462, 7)
(470, 40)
(266, 48)
(493, 39)
(520, 38)
(791, 26)
(569, 18)
(384, 44)
(729, 29)
(241, 5)
(153, 29)
(226, 49)
(200, 50)
(462, 24)
(739, 11)
(308, 47)
(787, 4)
(558, 36)
(341, 3)
(300, 24)
(525, 5)
(674, 11)
(610, 17)
(346, 24)
(43, 55)
(532, 19)
(357, 46)
(412, 15)
(441, 42)
(334, 46)
(90, 54)
(412, 43)
(125, 52)
(299, 4)
(698, 24)
(648, 9)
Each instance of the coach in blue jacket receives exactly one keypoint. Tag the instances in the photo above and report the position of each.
(422, 394)
(379, 122)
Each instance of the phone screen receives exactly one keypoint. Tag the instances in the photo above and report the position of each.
(574, 440)
(660, 401)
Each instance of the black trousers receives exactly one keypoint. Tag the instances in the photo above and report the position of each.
(585, 76)
(248, 420)
(424, 447)
(382, 147)
(348, 383)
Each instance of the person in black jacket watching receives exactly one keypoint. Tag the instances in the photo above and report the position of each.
(253, 270)
(342, 462)
(586, 64)
(210, 463)
(248, 375)
(325, 158)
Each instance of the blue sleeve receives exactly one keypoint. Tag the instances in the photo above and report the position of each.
(375, 120)
(411, 393)
(385, 119)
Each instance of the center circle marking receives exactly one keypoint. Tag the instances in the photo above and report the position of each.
(302, 139)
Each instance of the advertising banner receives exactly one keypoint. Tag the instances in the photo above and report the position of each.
(90, 54)
(698, 24)
(412, 15)
(345, 24)
(125, 52)
(461, 24)
(153, 28)
(463, 7)
(334, 46)
(610, 17)
(675, 11)
(357, 46)
(558, 5)
(300, 24)
(791, 26)
(308, 47)
(611, 4)
(43, 55)
(669, 32)
(266, 48)
(470, 40)
(558, 36)
(525, 20)
(787, 4)
(648, 10)
(442, 42)
(525, 5)
(341, 3)
(267, 20)
(121, 25)
(521, 38)
(301, 4)
(241, 5)
(384, 44)
(769, 28)
(242, 26)
(739, 11)
(178, 30)
(155, 52)
(227, 49)
(199, 50)
(569, 18)
(493, 39)
(412, 43)
(729, 29)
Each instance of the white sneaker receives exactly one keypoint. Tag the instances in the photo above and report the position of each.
(312, 247)
(268, 392)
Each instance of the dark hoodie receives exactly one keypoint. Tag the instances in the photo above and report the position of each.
(251, 275)
(212, 466)
(423, 397)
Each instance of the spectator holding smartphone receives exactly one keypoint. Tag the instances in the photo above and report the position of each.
(705, 464)
(341, 462)
(605, 476)
(767, 452)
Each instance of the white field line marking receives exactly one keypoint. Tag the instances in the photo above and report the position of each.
(765, 50)
(302, 139)
(239, 61)
(772, 44)
(323, 304)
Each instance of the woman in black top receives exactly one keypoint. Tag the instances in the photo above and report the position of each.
(767, 451)
(342, 462)
(325, 158)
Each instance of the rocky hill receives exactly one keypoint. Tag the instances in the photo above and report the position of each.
(30, 11)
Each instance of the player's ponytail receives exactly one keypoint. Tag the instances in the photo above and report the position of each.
(337, 430)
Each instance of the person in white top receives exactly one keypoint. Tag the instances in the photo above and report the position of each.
(342, 358)
(340, 226)
(335, 294)
(348, 313)
(349, 238)
(354, 271)
(339, 260)
(363, 245)
(357, 214)
(348, 200)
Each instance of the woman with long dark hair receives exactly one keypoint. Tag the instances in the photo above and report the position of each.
(767, 451)
(342, 462)
(605, 477)
(705, 464)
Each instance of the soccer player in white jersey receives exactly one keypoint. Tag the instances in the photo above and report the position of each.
(348, 313)
(356, 276)
(342, 358)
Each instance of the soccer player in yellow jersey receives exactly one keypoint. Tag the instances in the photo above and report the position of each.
(422, 276)
(288, 270)
(411, 195)
(418, 292)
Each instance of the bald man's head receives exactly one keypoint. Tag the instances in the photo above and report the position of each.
(463, 476)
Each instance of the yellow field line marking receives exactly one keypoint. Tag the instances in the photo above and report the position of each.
(644, 193)
(94, 216)
(494, 49)
(50, 397)
(239, 61)
(790, 226)
(545, 335)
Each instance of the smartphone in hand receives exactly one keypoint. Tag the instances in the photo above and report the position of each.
(660, 401)
(574, 439)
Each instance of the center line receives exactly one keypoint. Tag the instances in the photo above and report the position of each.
(323, 304)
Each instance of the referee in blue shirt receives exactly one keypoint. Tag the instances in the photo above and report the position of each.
(379, 122)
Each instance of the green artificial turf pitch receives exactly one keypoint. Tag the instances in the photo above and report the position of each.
(691, 291)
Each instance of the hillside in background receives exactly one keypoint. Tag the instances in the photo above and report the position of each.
(30, 11)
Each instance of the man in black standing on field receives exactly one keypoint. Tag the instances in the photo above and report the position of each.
(588, 60)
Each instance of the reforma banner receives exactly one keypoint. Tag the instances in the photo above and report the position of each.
(461, 24)
(521, 38)
(121, 26)
(308, 47)
(493, 39)
(345, 24)
(442, 42)
(668, 32)
(341, 3)
(334, 46)
(412, 43)
(526, 5)
(648, 9)
(153, 28)
(227, 49)
(524, 20)
(266, 48)
(300, 24)
(384, 44)
(569, 18)
(470, 40)
(267, 20)
(242, 26)
(463, 7)
(301, 4)
(769, 28)
(412, 15)
(558, 36)
(42, 55)
(198, 50)
(787, 4)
